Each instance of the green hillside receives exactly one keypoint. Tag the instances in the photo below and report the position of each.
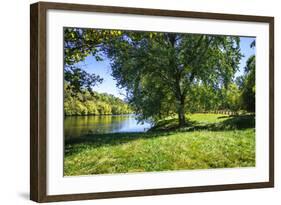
(86, 103)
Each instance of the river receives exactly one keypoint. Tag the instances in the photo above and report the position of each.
(76, 126)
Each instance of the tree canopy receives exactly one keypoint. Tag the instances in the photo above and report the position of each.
(160, 70)
(78, 44)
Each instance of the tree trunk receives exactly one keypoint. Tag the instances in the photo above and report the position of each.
(181, 114)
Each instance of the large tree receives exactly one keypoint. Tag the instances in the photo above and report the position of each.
(161, 70)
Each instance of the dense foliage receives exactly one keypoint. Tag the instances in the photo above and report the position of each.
(248, 86)
(92, 103)
(204, 99)
(161, 70)
(79, 97)
(163, 73)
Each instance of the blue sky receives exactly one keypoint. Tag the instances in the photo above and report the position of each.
(102, 68)
(247, 51)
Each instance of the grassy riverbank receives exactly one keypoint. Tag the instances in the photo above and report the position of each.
(207, 141)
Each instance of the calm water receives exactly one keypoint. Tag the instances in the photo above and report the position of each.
(76, 126)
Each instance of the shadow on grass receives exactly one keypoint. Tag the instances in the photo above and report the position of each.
(164, 128)
(232, 122)
(239, 122)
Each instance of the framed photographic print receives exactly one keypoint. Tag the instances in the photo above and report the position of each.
(133, 102)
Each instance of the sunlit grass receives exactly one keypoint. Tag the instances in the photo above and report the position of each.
(203, 144)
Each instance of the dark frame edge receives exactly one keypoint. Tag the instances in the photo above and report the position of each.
(37, 103)
(271, 100)
(154, 192)
(34, 191)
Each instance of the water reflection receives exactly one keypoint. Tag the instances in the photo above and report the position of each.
(76, 126)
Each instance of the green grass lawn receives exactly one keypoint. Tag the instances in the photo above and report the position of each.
(207, 141)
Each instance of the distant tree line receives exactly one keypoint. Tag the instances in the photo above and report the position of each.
(92, 103)
(233, 99)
